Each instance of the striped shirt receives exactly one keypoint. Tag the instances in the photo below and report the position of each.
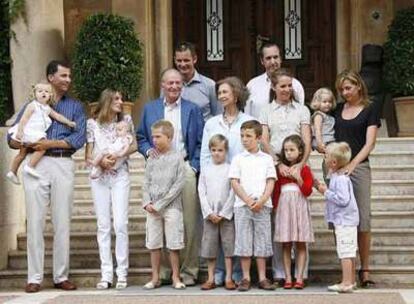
(75, 137)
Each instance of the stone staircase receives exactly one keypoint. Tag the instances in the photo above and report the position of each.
(392, 259)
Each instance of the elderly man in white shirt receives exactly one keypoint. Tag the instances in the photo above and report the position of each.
(259, 86)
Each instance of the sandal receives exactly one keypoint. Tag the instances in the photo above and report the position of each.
(103, 285)
(364, 283)
(299, 285)
(152, 285)
(287, 285)
(178, 285)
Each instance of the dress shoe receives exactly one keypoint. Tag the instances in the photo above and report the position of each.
(208, 285)
(65, 285)
(230, 285)
(32, 287)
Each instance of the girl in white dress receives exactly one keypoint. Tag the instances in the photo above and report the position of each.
(32, 127)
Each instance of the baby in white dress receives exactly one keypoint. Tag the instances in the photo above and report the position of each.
(32, 127)
(119, 148)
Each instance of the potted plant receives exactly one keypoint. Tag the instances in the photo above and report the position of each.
(399, 69)
(107, 54)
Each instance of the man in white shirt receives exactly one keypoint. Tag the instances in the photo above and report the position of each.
(259, 86)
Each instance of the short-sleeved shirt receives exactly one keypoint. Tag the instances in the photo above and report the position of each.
(259, 88)
(283, 121)
(253, 170)
(354, 131)
(103, 135)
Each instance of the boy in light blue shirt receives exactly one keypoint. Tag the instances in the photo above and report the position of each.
(341, 211)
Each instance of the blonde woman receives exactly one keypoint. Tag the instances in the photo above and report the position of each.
(356, 123)
(110, 190)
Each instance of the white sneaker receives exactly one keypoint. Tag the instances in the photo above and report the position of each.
(121, 284)
(13, 178)
(31, 171)
(103, 285)
(341, 289)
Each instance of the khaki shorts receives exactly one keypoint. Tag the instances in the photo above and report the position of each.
(168, 223)
(361, 183)
(346, 241)
(216, 234)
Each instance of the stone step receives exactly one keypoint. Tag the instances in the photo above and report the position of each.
(380, 219)
(82, 176)
(383, 172)
(382, 255)
(85, 207)
(83, 191)
(83, 278)
(79, 223)
(85, 240)
(84, 258)
(397, 276)
(376, 159)
(390, 144)
(378, 202)
(379, 237)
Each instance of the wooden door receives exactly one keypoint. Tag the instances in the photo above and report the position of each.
(246, 22)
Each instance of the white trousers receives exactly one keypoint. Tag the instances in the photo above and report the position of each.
(54, 187)
(111, 193)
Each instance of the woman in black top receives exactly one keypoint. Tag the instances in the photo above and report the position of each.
(357, 122)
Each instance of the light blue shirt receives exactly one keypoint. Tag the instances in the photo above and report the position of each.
(341, 208)
(201, 90)
(216, 125)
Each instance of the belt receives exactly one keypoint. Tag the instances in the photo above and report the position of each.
(59, 154)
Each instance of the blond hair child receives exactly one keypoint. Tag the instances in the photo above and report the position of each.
(32, 127)
(341, 211)
(323, 102)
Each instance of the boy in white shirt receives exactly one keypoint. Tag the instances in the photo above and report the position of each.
(217, 201)
(253, 175)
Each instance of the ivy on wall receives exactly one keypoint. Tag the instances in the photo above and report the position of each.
(6, 98)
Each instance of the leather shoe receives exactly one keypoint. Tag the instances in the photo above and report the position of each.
(65, 285)
(208, 285)
(230, 285)
(32, 287)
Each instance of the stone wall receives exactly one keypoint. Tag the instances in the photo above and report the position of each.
(12, 215)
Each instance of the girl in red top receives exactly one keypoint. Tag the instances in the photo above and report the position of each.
(293, 221)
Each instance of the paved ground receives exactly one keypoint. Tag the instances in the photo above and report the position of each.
(166, 295)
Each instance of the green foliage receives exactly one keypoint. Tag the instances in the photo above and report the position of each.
(399, 54)
(107, 54)
(6, 101)
(17, 9)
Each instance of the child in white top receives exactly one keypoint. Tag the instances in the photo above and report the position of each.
(119, 148)
(253, 175)
(323, 102)
(341, 210)
(217, 201)
(32, 127)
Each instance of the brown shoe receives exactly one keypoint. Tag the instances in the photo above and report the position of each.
(244, 285)
(32, 287)
(230, 285)
(208, 285)
(266, 285)
(65, 285)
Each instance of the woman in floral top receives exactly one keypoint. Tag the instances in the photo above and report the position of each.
(111, 188)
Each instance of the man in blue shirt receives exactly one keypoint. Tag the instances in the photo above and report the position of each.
(55, 186)
(197, 88)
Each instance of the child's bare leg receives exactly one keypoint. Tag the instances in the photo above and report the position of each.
(228, 261)
(36, 157)
(348, 273)
(261, 268)
(353, 270)
(287, 261)
(211, 266)
(155, 264)
(17, 161)
(245, 264)
(175, 266)
(300, 259)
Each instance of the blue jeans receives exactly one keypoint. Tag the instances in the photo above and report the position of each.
(220, 273)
